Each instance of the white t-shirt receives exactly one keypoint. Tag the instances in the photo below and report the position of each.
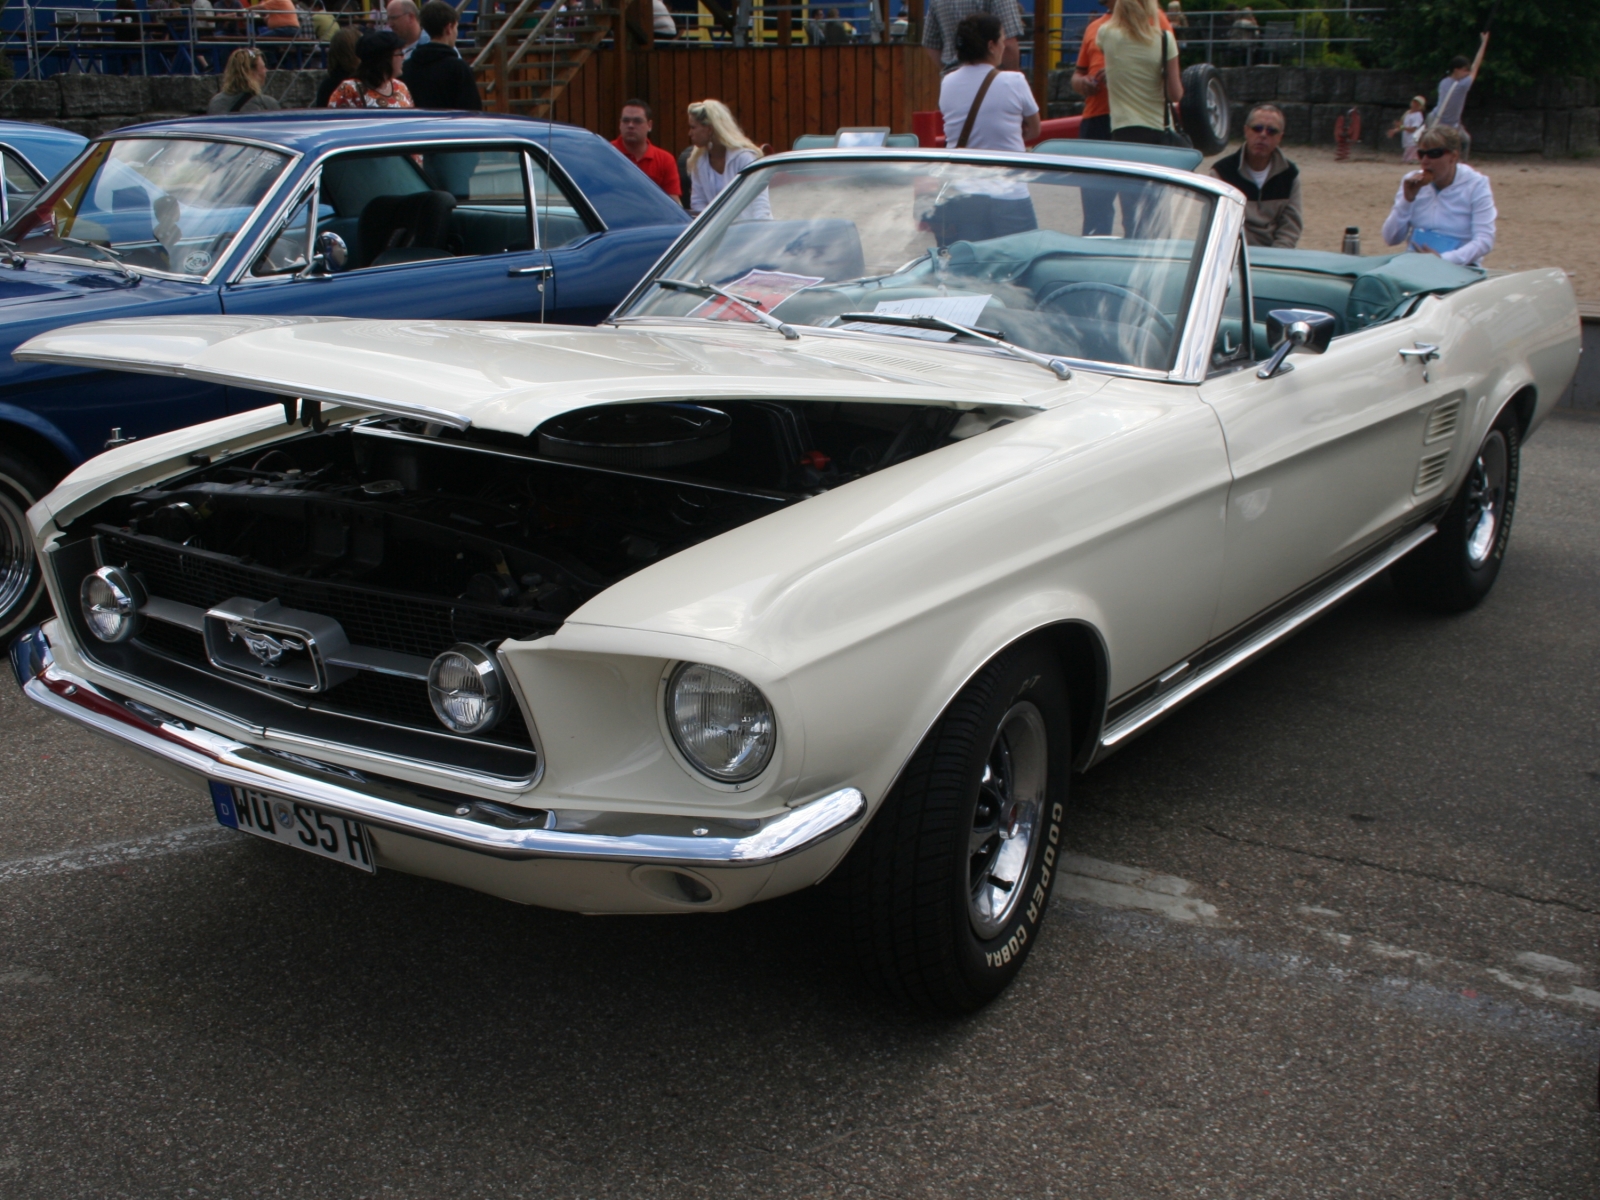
(1410, 129)
(1259, 178)
(706, 184)
(999, 122)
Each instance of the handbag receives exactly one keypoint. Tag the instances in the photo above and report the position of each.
(1172, 133)
(977, 103)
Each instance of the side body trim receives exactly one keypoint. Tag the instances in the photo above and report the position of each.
(1118, 731)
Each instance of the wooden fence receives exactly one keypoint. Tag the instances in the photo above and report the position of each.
(777, 93)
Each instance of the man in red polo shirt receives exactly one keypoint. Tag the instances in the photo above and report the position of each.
(637, 122)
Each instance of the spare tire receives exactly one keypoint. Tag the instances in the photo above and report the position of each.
(1205, 109)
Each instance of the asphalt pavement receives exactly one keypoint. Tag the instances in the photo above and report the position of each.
(1329, 931)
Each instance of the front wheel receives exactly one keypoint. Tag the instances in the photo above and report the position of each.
(945, 890)
(21, 581)
(1455, 568)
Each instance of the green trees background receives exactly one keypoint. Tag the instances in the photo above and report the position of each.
(1529, 39)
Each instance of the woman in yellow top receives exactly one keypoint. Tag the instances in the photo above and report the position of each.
(1139, 54)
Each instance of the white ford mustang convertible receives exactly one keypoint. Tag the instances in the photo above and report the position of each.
(906, 485)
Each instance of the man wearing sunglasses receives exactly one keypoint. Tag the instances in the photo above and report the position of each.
(1446, 208)
(1269, 181)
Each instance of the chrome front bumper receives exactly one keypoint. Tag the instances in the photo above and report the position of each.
(429, 816)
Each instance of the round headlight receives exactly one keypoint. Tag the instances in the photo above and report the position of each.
(465, 689)
(111, 599)
(720, 721)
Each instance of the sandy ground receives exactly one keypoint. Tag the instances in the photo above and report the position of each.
(1549, 209)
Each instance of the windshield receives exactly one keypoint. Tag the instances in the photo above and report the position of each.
(159, 204)
(1074, 263)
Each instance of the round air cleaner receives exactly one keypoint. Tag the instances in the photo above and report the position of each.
(642, 436)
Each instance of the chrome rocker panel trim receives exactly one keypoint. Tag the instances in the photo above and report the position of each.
(218, 758)
(1119, 731)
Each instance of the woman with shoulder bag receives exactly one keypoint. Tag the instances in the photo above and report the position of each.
(1143, 80)
(984, 108)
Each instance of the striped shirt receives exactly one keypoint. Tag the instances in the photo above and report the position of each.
(939, 24)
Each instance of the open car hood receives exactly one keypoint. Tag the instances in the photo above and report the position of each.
(511, 378)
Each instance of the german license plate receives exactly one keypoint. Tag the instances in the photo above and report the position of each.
(293, 823)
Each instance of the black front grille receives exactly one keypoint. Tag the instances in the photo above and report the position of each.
(420, 625)
(416, 625)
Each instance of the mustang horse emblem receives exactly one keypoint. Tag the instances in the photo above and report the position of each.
(266, 648)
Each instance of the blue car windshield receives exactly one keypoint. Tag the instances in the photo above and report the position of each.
(1085, 264)
(157, 204)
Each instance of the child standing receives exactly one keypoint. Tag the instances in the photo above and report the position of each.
(1409, 127)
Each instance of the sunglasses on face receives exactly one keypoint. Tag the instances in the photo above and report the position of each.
(1272, 129)
(1434, 152)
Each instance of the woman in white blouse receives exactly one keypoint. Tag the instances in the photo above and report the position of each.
(1446, 208)
(721, 151)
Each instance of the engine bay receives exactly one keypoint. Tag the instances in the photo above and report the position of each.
(534, 524)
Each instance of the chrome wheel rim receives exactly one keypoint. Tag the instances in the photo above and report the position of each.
(1004, 836)
(19, 569)
(1486, 497)
(1217, 109)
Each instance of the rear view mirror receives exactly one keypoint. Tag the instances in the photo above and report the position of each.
(1291, 329)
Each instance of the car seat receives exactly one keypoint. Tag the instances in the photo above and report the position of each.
(398, 229)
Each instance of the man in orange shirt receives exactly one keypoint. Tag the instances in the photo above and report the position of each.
(283, 18)
(1089, 81)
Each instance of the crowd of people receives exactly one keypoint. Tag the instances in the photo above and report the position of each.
(1127, 71)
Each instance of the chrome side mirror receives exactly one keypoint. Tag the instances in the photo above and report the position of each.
(331, 255)
(334, 253)
(1290, 329)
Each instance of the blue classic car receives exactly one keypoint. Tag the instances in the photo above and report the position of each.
(29, 156)
(358, 213)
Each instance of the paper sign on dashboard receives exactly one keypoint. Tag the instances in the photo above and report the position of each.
(768, 289)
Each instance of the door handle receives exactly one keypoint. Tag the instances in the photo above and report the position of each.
(1424, 353)
(540, 271)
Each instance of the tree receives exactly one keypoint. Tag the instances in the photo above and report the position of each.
(1529, 39)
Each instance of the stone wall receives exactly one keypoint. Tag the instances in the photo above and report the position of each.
(1558, 117)
(92, 104)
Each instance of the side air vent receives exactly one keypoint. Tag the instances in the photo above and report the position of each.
(1430, 471)
(1442, 422)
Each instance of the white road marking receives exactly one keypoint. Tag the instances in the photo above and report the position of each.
(1576, 995)
(24, 975)
(1115, 886)
(110, 854)
(1544, 964)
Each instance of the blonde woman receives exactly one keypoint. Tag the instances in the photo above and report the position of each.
(721, 151)
(242, 81)
(1140, 58)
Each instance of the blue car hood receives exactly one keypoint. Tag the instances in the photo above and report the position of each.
(65, 293)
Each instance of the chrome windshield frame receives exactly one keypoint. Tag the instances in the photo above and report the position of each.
(1199, 324)
(266, 204)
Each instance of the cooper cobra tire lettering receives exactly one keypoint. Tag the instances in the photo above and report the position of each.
(940, 896)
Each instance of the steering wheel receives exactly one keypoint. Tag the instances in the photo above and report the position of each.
(1055, 297)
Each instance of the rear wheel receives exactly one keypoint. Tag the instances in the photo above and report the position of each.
(1453, 570)
(21, 581)
(944, 892)
(1205, 109)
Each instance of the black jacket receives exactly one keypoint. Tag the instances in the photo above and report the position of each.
(438, 77)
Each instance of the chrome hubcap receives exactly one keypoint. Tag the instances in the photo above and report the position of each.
(1005, 825)
(1486, 496)
(1217, 109)
(18, 567)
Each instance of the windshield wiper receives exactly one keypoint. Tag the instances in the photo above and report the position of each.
(112, 256)
(750, 306)
(13, 253)
(920, 321)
